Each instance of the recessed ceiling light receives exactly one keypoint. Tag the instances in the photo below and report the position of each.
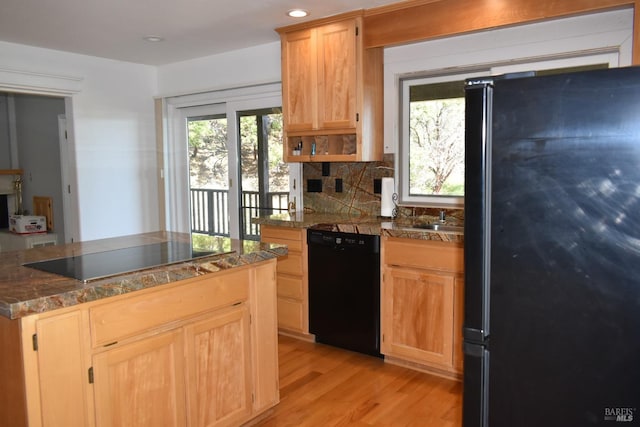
(297, 13)
(153, 39)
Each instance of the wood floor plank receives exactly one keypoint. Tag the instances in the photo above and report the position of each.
(322, 385)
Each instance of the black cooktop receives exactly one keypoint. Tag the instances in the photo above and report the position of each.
(109, 263)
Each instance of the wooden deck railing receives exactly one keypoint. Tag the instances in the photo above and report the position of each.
(210, 211)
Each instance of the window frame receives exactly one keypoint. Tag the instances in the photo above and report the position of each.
(402, 160)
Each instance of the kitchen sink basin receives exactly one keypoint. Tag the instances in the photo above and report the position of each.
(440, 227)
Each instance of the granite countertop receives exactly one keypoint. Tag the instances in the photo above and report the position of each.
(405, 228)
(25, 291)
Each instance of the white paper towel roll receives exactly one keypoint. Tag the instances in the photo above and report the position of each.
(386, 197)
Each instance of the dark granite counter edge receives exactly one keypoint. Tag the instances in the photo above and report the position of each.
(131, 282)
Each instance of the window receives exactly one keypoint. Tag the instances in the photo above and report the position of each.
(432, 141)
(432, 135)
(424, 91)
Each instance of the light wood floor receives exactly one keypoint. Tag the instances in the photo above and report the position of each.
(325, 386)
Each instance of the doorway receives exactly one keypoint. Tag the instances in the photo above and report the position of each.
(33, 138)
(264, 176)
(235, 168)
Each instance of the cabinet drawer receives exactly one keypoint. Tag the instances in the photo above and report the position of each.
(134, 315)
(423, 254)
(277, 234)
(290, 264)
(289, 314)
(290, 287)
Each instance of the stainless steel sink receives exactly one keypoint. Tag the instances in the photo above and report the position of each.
(440, 227)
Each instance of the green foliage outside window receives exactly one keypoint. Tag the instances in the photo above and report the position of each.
(208, 152)
(436, 164)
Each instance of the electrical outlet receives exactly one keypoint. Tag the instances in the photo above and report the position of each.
(314, 186)
(377, 186)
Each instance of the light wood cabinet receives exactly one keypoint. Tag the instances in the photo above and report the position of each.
(59, 350)
(299, 67)
(144, 383)
(219, 382)
(292, 278)
(141, 383)
(264, 338)
(320, 88)
(332, 91)
(422, 297)
(197, 352)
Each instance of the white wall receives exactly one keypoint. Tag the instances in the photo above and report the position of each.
(243, 67)
(112, 138)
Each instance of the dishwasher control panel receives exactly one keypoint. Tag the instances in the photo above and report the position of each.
(367, 242)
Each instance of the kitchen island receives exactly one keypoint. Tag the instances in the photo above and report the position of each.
(193, 342)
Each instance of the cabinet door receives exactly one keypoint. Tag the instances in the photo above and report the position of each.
(218, 369)
(141, 384)
(337, 75)
(265, 337)
(418, 316)
(63, 370)
(458, 321)
(299, 77)
(291, 315)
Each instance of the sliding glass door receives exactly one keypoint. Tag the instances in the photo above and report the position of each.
(208, 174)
(264, 184)
(225, 166)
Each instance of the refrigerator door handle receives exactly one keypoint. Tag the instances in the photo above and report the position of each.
(477, 205)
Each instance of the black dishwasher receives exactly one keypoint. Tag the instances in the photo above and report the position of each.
(344, 290)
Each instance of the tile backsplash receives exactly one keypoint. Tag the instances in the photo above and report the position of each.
(350, 189)
(355, 186)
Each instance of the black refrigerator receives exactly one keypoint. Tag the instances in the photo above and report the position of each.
(552, 250)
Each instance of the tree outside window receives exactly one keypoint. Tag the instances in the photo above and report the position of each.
(436, 139)
(432, 143)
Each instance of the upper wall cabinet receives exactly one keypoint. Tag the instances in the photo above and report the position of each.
(332, 92)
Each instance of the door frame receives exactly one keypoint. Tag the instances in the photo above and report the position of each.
(66, 173)
(176, 166)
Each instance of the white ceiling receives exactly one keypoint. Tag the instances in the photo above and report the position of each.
(190, 28)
